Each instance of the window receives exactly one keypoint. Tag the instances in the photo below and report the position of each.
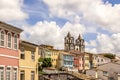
(98, 60)
(15, 42)
(86, 58)
(101, 60)
(105, 73)
(111, 78)
(2, 38)
(33, 55)
(22, 55)
(1, 73)
(9, 40)
(14, 74)
(8, 74)
(86, 64)
(22, 75)
(32, 75)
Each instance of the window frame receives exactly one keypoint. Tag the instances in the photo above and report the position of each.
(22, 72)
(32, 75)
(9, 42)
(2, 71)
(22, 53)
(15, 74)
(33, 55)
(16, 42)
(8, 73)
(2, 39)
(105, 73)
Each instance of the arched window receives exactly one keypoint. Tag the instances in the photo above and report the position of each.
(9, 40)
(15, 42)
(2, 38)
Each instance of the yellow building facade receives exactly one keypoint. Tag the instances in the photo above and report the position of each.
(28, 62)
(54, 57)
(87, 61)
(48, 51)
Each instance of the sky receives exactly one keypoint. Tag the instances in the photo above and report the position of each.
(49, 21)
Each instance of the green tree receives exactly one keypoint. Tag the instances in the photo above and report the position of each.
(111, 56)
(47, 62)
(40, 60)
(44, 62)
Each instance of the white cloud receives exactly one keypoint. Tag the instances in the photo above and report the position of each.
(12, 10)
(105, 44)
(50, 33)
(92, 43)
(95, 12)
(93, 50)
(103, 14)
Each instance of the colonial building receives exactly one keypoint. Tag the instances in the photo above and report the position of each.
(108, 71)
(45, 51)
(87, 60)
(66, 60)
(54, 57)
(48, 51)
(70, 44)
(28, 62)
(99, 60)
(78, 60)
(9, 53)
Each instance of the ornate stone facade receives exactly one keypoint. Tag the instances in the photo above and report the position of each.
(70, 44)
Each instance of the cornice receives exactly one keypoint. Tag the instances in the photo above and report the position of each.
(9, 27)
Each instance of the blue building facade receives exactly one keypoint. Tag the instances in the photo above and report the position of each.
(68, 61)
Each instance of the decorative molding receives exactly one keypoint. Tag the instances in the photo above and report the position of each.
(27, 67)
(3, 55)
(2, 66)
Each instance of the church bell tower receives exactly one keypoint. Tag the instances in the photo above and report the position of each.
(69, 42)
(79, 44)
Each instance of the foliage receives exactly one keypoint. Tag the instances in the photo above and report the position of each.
(41, 72)
(111, 56)
(46, 62)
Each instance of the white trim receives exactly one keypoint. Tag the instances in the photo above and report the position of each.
(3, 55)
(8, 69)
(2, 65)
(15, 67)
(8, 66)
(14, 41)
(8, 41)
(27, 67)
(4, 37)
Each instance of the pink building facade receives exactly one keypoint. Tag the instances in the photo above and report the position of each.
(9, 54)
(78, 60)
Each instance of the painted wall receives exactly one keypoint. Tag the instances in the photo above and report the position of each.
(9, 56)
(54, 58)
(99, 59)
(28, 64)
(68, 61)
(86, 61)
(80, 63)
